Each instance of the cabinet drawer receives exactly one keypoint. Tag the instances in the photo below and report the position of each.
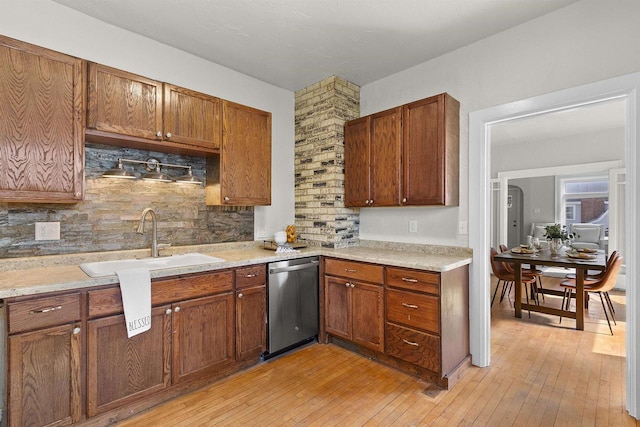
(354, 270)
(414, 347)
(412, 309)
(43, 312)
(415, 280)
(251, 276)
(107, 301)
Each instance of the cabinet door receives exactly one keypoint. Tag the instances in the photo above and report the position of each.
(45, 377)
(251, 322)
(124, 103)
(430, 151)
(357, 171)
(368, 315)
(386, 140)
(121, 369)
(337, 307)
(191, 118)
(245, 173)
(203, 336)
(41, 114)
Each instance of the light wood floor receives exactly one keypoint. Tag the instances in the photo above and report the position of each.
(541, 374)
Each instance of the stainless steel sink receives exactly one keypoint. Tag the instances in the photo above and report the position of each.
(109, 268)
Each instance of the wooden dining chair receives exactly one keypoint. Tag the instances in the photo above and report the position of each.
(594, 276)
(601, 287)
(536, 287)
(507, 278)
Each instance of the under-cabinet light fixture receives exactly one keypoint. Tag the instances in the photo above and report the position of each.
(153, 172)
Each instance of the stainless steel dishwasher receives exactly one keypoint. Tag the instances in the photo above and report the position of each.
(293, 304)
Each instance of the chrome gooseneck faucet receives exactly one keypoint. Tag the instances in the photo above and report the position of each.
(154, 236)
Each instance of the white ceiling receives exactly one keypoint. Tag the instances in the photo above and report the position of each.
(561, 124)
(295, 43)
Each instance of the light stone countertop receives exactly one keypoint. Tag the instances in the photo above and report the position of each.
(34, 275)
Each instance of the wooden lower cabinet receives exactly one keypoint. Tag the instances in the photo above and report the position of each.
(354, 309)
(251, 325)
(45, 376)
(121, 370)
(203, 331)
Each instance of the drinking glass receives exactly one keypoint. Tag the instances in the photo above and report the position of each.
(536, 246)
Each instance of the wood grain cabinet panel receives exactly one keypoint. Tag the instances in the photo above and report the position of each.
(408, 155)
(126, 109)
(431, 133)
(354, 309)
(414, 309)
(203, 336)
(41, 124)
(251, 322)
(45, 376)
(121, 370)
(241, 174)
(414, 347)
(372, 159)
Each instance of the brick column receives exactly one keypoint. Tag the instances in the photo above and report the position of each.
(320, 112)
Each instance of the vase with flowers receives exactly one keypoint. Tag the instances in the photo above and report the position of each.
(556, 234)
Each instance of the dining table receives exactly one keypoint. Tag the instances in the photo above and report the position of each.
(565, 259)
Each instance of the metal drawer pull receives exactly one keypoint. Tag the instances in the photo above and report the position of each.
(249, 276)
(46, 310)
(76, 331)
(415, 344)
(350, 270)
(347, 284)
(404, 304)
(167, 311)
(406, 279)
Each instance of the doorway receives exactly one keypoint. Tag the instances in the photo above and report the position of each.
(624, 88)
(515, 203)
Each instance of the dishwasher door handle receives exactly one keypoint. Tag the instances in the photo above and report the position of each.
(311, 264)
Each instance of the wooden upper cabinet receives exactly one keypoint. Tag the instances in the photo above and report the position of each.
(130, 110)
(372, 150)
(241, 174)
(407, 155)
(431, 129)
(357, 171)
(41, 118)
(386, 140)
(191, 117)
(124, 103)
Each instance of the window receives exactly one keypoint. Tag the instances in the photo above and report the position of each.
(585, 199)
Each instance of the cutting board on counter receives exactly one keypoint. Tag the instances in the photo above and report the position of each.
(272, 246)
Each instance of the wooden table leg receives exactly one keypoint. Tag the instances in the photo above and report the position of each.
(517, 271)
(580, 299)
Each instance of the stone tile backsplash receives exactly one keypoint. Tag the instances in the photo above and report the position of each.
(107, 218)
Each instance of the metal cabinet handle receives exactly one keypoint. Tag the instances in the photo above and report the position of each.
(159, 134)
(347, 284)
(404, 200)
(352, 285)
(169, 135)
(240, 295)
(46, 310)
(76, 331)
(226, 198)
(167, 311)
(177, 309)
(404, 304)
(415, 344)
(349, 270)
(249, 276)
(406, 279)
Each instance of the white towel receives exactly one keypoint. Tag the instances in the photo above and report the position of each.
(135, 287)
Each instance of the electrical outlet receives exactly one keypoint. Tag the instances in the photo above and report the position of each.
(463, 227)
(47, 231)
(413, 226)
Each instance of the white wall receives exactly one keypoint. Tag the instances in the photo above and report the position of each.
(48, 24)
(585, 42)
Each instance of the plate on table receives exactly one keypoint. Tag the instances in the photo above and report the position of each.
(580, 255)
(522, 250)
(587, 250)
